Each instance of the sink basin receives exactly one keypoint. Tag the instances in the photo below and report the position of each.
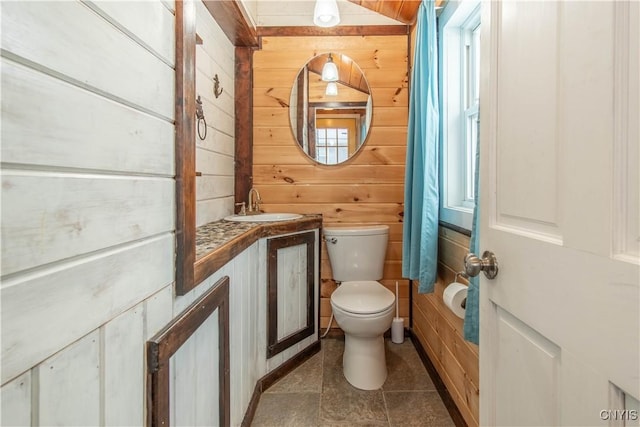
(263, 217)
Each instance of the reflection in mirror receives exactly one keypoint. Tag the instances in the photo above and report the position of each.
(330, 119)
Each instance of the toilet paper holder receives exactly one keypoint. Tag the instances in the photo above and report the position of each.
(463, 303)
(460, 273)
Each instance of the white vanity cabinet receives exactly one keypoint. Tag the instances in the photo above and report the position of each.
(273, 305)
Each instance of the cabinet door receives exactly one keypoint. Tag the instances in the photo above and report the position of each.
(291, 309)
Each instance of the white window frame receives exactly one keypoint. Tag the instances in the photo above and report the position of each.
(460, 110)
(322, 144)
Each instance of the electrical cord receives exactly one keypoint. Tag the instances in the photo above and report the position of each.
(330, 319)
(328, 327)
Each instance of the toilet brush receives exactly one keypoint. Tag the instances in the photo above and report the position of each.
(397, 326)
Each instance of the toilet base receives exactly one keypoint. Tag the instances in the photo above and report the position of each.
(364, 362)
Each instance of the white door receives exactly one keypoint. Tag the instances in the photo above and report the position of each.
(560, 325)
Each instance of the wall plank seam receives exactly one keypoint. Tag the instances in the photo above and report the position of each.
(94, 7)
(58, 75)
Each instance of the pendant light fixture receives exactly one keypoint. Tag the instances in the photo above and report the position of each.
(329, 71)
(332, 89)
(326, 13)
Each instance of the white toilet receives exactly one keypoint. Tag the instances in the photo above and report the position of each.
(362, 307)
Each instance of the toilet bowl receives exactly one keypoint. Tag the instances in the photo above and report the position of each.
(364, 311)
(362, 307)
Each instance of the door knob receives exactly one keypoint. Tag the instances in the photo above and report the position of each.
(474, 265)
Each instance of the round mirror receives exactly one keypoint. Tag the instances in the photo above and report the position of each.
(330, 108)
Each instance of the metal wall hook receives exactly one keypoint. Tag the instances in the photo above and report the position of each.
(202, 122)
(217, 90)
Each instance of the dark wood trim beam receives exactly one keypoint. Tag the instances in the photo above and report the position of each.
(165, 343)
(356, 30)
(243, 123)
(338, 104)
(185, 151)
(235, 24)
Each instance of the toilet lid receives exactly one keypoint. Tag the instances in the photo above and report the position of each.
(362, 297)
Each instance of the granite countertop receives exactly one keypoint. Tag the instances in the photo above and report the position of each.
(215, 235)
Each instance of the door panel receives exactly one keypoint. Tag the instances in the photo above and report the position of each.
(526, 357)
(526, 65)
(560, 325)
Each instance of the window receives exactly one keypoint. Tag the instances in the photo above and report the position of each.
(460, 71)
(332, 145)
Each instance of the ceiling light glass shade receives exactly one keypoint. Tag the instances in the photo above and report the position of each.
(332, 89)
(326, 13)
(329, 71)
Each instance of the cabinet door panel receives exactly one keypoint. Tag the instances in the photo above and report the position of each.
(291, 308)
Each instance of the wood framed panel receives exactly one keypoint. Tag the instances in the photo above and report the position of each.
(229, 16)
(282, 332)
(166, 343)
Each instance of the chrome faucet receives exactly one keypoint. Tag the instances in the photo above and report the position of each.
(254, 201)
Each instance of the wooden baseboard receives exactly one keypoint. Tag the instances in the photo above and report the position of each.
(448, 401)
(253, 405)
(272, 377)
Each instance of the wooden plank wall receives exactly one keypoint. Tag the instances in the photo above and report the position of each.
(367, 189)
(88, 220)
(440, 331)
(87, 206)
(214, 155)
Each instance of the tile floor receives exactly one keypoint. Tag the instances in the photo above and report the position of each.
(317, 394)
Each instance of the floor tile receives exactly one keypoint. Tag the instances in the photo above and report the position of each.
(355, 407)
(317, 394)
(306, 378)
(287, 409)
(416, 408)
(405, 371)
(333, 349)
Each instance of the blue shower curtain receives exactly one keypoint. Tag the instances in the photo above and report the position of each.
(421, 197)
(471, 316)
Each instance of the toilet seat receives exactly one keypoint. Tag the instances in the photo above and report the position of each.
(362, 297)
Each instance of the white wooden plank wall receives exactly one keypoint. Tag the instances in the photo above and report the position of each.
(88, 217)
(214, 155)
(68, 385)
(88, 207)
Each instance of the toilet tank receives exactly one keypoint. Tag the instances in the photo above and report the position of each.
(356, 253)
